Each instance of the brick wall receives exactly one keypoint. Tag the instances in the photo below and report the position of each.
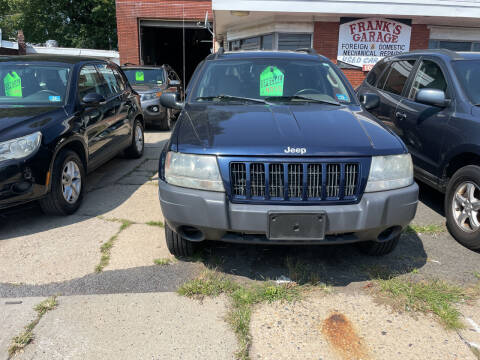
(5, 51)
(129, 13)
(325, 42)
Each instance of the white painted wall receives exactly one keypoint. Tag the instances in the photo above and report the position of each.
(104, 54)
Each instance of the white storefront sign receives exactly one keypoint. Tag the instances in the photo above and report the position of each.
(363, 42)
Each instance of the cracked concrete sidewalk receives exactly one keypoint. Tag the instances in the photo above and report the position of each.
(129, 326)
(343, 326)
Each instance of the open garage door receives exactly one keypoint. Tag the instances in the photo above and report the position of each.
(162, 43)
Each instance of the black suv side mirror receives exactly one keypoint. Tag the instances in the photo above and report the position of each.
(169, 100)
(93, 99)
(432, 97)
(369, 101)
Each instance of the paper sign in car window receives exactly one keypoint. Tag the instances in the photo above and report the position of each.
(139, 76)
(271, 82)
(13, 84)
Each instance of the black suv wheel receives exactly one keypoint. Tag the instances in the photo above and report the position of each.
(177, 245)
(462, 206)
(68, 185)
(135, 150)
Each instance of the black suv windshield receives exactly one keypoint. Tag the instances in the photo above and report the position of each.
(272, 80)
(151, 77)
(468, 72)
(33, 84)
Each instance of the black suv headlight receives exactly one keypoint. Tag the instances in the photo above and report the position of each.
(20, 147)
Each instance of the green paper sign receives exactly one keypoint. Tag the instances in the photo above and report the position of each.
(139, 76)
(13, 84)
(271, 82)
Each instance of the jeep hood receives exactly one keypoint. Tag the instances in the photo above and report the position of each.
(264, 130)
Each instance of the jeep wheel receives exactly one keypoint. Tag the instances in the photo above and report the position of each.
(177, 245)
(375, 248)
(68, 185)
(462, 206)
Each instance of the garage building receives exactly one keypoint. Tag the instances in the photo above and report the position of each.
(353, 33)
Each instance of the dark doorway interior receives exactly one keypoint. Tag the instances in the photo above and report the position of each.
(163, 45)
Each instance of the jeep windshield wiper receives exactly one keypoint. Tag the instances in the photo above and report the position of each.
(230, 97)
(301, 97)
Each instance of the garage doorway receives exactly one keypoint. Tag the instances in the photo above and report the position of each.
(161, 42)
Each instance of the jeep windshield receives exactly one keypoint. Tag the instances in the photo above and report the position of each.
(468, 72)
(33, 84)
(271, 80)
(142, 76)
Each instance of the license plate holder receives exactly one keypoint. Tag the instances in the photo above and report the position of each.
(296, 226)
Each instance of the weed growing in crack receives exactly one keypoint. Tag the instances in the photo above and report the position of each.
(20, 341)
(242, 300)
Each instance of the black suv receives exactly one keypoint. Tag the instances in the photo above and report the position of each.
(59, 118)
(150, 82)
(431, 99)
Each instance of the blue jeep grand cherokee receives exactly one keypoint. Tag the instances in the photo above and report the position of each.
(274, 148)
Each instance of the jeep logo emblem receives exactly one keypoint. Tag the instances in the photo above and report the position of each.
(292, 150)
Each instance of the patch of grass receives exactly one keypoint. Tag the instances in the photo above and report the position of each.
(125, 224)
(476, 274)
(435, 296)
(210, 283)
(106, 248)
(46, 305)
(242, 299)
(20, 341)
(302, 272)
(155, 223)
(162, 261)
(376, 272)
(426, 229)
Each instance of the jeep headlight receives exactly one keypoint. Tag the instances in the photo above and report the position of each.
(193, 171)
(390, 172)
(20, 147)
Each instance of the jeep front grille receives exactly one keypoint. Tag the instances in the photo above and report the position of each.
(328, 181)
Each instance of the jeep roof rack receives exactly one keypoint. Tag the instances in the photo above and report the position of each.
(310, 51)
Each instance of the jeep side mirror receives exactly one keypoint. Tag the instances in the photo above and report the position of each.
(93, 99)
(369, 101)
(432, 97)
(169, 100)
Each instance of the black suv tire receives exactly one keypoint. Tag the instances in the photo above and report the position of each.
(467, 175)
(135, 150)
(375, 248)
(55, 203)
(177, 245)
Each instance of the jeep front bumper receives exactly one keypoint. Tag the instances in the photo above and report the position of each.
(204, 215)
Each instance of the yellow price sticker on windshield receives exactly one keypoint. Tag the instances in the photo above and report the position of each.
(271, 82)
(139, 76)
